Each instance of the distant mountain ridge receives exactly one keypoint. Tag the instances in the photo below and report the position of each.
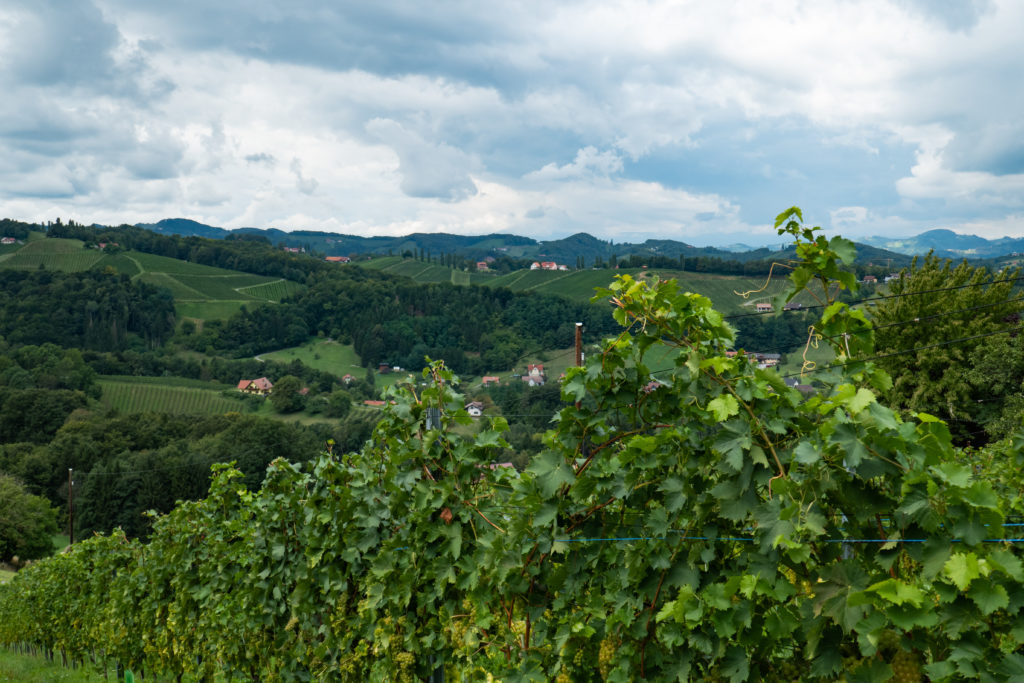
(478, 247)
(949, 244)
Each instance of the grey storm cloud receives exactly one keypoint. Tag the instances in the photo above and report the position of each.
(399, 37)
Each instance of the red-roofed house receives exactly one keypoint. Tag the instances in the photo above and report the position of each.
(337, 259)
(261, 386)
(535, 376)
(535, 266)
(489, 380)
(549, 265)
(481, 265)
(7, 240)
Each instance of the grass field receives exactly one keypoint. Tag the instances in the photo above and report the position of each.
(164, 264)
(329, 356)
(30, 669)
(166, 395)
(5, 575)
(121, 263)
(200, 292)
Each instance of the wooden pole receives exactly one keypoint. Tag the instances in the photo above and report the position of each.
(579, 345)
(71, 507)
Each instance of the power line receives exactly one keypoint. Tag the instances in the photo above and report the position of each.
(898, 353)
(883, 297)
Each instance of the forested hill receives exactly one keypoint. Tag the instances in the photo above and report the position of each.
(568, 250)
(475, 329)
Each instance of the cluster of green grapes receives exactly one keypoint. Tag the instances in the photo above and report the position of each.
(606, 655)
(906, 665)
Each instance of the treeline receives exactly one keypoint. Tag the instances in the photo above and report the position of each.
(212, 369)
(248, 255)
(89, 310)
(16, 229)
(474, 329)
(126, 465)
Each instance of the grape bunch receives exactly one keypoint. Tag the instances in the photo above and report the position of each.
(906, 668)
(606, 656)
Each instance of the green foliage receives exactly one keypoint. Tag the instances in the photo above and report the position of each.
(27, 522)
(714, 524)
(286, 395)
(91, 310)
(955, 368)
(339, 403)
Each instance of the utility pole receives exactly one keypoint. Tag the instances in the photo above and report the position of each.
(579, 351)
(579, 345)
(71, 507)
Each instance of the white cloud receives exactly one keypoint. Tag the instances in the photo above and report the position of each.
(588, 162)
(544, 119)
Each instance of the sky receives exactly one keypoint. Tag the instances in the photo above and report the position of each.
(694, 121)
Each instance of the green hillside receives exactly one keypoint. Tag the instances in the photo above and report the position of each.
(580, 285)
(200, 292)
(326, 355)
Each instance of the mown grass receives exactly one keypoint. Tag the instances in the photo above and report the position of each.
(165, 264)
(133, 396)
(177, 289)
(121, 263)
(212, 310)
(321, 354)
(224, 287)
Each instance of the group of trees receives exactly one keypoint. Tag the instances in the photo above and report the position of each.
(400, 322)
(950, 337)
(90, 310)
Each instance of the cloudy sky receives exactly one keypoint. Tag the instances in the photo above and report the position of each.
(697, 121)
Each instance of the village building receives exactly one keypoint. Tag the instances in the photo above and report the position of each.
(259, 387)
(482, 265)
(764, 307)
(475, 408)
(535, 375)
(488, 380)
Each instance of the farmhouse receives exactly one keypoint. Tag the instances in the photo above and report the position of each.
(870, 280)
(7, 240)
(764, 308)
(535, 376)
(535, 266)
(488, 380)
(548, 265)
(261, 386)
(481, 265)
(793, 306)
(475, 408)
(337, 259)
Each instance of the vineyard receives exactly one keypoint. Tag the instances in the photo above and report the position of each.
(166, 395)
(701, 521)
(54, 254)
(271, 291)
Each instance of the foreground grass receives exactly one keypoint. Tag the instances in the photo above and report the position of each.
(25, 668)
